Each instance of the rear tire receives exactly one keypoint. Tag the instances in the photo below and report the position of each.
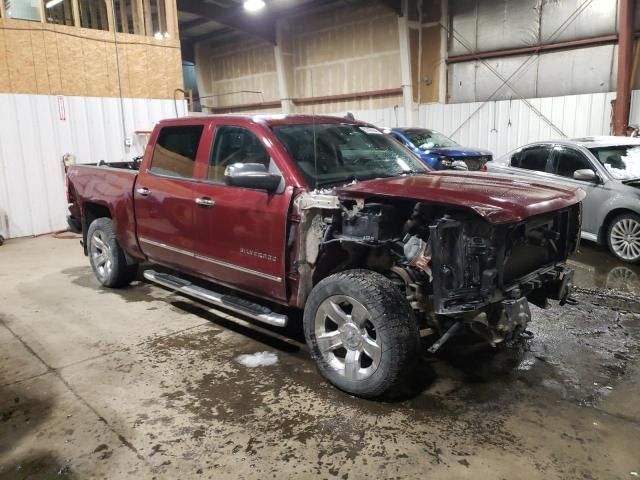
(362, 333)
(623, 237)
(108, 261)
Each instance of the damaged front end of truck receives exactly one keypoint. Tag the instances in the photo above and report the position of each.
(458, 270)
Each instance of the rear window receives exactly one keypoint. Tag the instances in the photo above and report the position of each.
(175, 151)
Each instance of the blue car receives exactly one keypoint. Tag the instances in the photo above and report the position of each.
(440, 152)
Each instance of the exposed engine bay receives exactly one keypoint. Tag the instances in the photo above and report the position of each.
(456, 269)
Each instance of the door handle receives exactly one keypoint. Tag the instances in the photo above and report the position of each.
(205, 202)
(144, 191)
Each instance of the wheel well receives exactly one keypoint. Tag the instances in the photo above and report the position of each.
(91, 212)
(602, 235)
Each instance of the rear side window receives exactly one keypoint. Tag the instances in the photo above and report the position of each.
(175, 151)
(531, 159)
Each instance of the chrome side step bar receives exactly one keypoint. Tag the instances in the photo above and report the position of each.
(229, 302)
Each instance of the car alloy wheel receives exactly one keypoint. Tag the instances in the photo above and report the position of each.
(625, 239)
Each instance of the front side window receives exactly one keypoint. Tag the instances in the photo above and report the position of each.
(234, 145)
(427, 139)
(334, 154)
(622, 161)
(175, 151)
(568, 161)
(22, 9)
(531, 159)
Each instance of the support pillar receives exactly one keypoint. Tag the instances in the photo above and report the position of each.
(284, 68)
(625, 52)
(405, 64)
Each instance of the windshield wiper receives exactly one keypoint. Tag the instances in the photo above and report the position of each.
(631, 180)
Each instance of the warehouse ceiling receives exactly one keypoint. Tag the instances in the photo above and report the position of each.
(221, 20)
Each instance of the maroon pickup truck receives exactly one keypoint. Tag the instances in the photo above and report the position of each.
(334, 217)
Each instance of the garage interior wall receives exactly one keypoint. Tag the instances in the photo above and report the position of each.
(477, 26)
(66, 89)
(37, 130)
(343, 51)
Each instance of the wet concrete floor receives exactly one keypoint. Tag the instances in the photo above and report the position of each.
(142, 383)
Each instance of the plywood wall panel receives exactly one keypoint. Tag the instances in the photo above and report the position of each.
(95, 68)
(138, 68)
(72, 59)
(62, 60)
(53, 62)
(20, 61)
(40, 62)
(5, 83)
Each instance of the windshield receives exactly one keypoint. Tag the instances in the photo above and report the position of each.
(343, 153)
(426, 139)
(622, 161)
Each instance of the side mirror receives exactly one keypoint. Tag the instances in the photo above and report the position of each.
(586, 175)
(251, 175)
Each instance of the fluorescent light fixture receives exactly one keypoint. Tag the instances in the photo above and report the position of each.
(253, 5)
(52, 3)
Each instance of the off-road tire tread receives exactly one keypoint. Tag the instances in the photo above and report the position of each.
(122, 273)
(394, 319)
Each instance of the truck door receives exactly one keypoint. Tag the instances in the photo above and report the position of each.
(164, 197)
(240, 233)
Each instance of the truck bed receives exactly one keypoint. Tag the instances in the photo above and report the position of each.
(93, 187)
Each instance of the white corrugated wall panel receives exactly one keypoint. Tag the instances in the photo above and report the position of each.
(501, 126)
(33, 140)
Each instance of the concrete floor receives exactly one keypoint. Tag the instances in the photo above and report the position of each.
(141, 383)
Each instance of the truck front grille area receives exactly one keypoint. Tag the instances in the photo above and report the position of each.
(475, 263)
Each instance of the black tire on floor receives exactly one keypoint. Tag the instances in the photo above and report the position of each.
(630, 218)
(118, 274)
(390, 323)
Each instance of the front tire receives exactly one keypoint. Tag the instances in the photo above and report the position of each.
(361, 332)
(107, 258)
(623, 237)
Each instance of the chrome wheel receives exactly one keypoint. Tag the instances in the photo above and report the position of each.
(347, 338)
(101, 255)
(625, 239)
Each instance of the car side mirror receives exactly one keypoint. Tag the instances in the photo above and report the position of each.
(251, 175)
(586, 175)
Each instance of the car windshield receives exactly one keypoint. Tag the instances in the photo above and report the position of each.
(336, 153)
(426, 139)
(622, 161)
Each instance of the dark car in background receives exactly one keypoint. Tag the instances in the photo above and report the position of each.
(439, 151)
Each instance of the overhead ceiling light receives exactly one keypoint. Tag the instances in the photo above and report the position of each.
(253, 5)
(52, 3)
